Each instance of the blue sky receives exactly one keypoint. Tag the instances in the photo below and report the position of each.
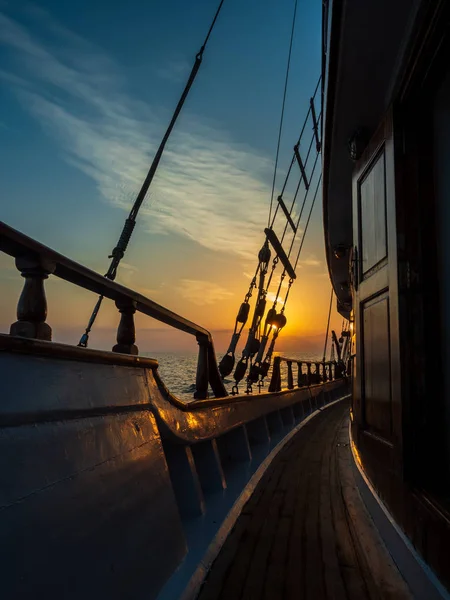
(87, 89)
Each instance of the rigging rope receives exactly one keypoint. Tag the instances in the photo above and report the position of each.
(274, 321)
(296, 224)
(259, 334)
(297, 145)
(280, 129)
(127, 231)
(275, 260)
(282, 322)
(307, 222)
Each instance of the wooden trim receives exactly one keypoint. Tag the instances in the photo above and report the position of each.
(425, 66)
(419, 577)
(19, 345)
(17, 244)
(329, 72)
(427, 41)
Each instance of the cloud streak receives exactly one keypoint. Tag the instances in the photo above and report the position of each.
(208, 188)
(202, 293)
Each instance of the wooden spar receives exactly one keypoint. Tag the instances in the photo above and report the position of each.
(315, 124)
(286, 213)
(276, 245)
(302, 168)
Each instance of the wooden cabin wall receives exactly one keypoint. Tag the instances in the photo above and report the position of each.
(410, 469)
(441, 160)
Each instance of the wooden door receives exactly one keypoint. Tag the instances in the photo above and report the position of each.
(377, 393)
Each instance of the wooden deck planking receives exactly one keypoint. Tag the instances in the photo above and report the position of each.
(305, 533)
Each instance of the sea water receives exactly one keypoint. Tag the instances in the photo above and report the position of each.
(178, 371)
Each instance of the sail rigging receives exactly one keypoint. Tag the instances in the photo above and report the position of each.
(264, 328)
(119, 250)
(261, 332)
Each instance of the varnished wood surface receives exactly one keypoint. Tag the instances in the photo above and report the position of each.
(305, 532)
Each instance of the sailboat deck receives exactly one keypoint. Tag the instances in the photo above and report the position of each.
(305, 532)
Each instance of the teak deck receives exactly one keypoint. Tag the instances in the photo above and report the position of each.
(305, 532)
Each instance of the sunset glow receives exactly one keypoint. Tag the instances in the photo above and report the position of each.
(78, 118)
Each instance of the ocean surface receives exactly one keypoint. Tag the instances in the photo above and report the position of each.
(178, 371)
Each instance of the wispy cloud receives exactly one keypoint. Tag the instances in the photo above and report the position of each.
(272, 297)
(127, 274)
(208, 188)
(310, 261)
(202, 292)
(174, 70)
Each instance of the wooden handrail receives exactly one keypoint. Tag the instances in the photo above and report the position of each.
(37, 261)
(323, 372)
(18, 245)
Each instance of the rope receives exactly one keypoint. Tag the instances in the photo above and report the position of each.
(290, 167)
(269, 353)
(307, 222)
(296, 224)
(212, 26)
(280, 129)
(120, 249)
(303, 205)
(259, 334)
(298, 143)
(328, 326)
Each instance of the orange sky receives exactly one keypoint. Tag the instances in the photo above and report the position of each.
(81, 120)
(209, 292)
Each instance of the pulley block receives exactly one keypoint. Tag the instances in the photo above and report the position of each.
(243, 313)
(226, 365)
(240, 370)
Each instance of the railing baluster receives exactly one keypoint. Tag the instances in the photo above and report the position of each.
(215, 380)
(316, 373)
(275, 382)
(32, 305)
(126, 333)
(290, 376)
(201, 382)
(36, 262)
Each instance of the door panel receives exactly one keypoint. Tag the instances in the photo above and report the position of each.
(372, 210)
(377, 389)
(377, 367)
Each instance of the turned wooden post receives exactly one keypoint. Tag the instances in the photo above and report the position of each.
(202, 379)
(126, 333)
(290, 376)
(308, 374)
(215, 380)
(325, 374)
(299, 374)
(32, 305)
(318, 375)
(275, 382)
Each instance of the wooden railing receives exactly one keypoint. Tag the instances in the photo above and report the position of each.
(307, 373)
(37, 262)
(108, 431)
